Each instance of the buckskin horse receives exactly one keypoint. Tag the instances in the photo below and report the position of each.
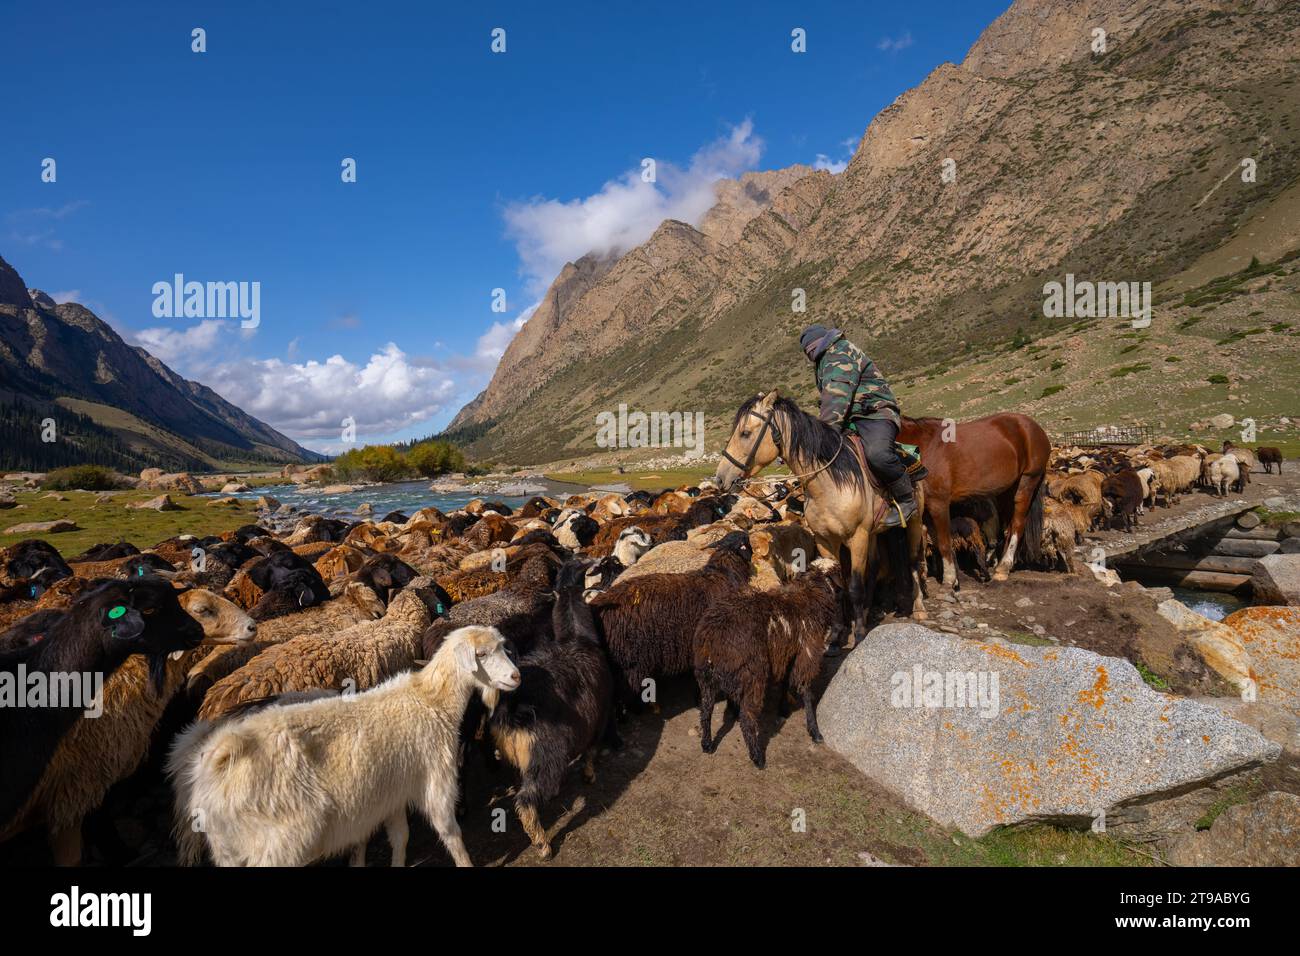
(1002, 457)
(843, 507)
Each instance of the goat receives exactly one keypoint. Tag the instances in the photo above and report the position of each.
(1268, 457)
(96, 754)
(750, 640)
(104, 626)
(561, 707)
(289, 785)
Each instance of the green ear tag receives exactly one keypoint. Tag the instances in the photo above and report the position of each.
(439, 611)
(116, 612)
(139, 571)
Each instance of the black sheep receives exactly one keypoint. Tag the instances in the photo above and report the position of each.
(33, 558)
(562, 706)
(107, 552)
(751, 640)
(648, 622)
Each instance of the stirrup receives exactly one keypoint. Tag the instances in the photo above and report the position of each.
(896, 517)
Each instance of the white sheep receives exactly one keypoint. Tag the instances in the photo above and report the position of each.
(289, 785)
(1222, 473)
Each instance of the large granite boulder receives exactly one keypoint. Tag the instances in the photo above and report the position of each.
(1264, 832)
(979, 735)
(1276, 579)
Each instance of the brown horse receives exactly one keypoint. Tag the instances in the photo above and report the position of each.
(842, 506)
(1002, 457)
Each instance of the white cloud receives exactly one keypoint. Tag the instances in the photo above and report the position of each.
(831, 165)
(183, 346)
(894, 44)
(626, 211)
(310, 400)
(70, 295)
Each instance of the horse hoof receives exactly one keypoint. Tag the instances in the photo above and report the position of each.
(920, 616)
(1001, 576)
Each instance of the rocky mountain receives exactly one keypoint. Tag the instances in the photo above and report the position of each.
(62, 361)
(1043, 153)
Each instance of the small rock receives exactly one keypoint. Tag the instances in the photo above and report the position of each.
(1024, 602)
(1275, 503)
(267, 503)
(161, 503)
(1248, 520)
(1289, 546)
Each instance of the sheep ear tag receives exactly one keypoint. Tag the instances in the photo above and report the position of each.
(465, 658)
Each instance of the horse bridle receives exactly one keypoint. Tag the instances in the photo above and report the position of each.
(768, 422)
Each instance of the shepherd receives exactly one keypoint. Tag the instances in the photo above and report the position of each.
(856, 398)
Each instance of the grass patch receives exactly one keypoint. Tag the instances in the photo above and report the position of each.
(1218, 379)
(1151, 678)
(1125, 370)
(113, 521)
(1232, 797)
(1051, 390)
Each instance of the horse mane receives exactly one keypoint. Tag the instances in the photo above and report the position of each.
(809, 438)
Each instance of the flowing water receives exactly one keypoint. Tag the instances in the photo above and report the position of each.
(1216, 605)
(404, 496)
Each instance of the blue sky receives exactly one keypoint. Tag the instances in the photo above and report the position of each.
(475, 170)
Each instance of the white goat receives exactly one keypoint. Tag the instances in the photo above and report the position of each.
(289, 785)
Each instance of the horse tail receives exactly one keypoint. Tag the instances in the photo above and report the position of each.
(1032, 545)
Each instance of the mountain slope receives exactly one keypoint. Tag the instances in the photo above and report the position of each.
(1113, 167)
(54, 357)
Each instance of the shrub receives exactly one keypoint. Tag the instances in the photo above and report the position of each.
(83, 478)
(1052, 390)
(1218, 379)
(435, 458)
(374, 463)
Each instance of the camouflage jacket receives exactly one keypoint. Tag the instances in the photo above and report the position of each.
(851, 386)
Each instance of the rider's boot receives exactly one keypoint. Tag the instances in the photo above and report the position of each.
(904, 506)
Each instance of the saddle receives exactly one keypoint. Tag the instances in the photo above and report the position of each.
(910, 456)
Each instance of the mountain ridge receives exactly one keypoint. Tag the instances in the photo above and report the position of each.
(52, 353)
(1065, 160)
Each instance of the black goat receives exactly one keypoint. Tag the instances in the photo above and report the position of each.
(107, 552)
(104, 626)
(562, 706)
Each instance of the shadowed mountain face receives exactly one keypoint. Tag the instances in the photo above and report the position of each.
(60, 358)
(1043, 153)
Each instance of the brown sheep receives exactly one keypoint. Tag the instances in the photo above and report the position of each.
(357, 658)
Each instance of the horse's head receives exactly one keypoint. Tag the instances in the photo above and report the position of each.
(752, 446)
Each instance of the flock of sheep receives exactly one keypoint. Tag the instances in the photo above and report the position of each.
(313, 684)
